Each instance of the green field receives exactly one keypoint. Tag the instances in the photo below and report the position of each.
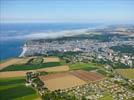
(102, 72)
(84, 66)
(15, 89)
(38, 60)
(127, 73)
(31, 66)
(106, 97)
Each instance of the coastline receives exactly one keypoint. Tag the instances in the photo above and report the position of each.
(23, 51)
(12, 43)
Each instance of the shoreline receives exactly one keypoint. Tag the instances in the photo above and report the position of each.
(23, 51)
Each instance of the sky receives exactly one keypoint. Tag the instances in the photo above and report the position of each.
(89, 11)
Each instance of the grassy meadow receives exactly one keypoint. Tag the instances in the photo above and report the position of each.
(81, 65)
(106, 97)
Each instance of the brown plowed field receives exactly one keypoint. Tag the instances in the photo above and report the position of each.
(87, 76)
(69, 79)
(51, 59)
(63, 82)
(53, 76)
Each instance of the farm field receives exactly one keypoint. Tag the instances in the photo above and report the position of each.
(87, 76)
(14, 89)
(55, 69)
(37, 60)
(12, 74)
(23, 73)
(84, 66)
(31, 66)
(103, 72)
(69, 79)
(51, 59)
(63, 82)
(32, 63)
(127, 73)
(106, 97)
(14, 61)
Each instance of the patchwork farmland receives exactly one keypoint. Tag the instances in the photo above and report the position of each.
(23, 73)
(69, 79)
(17, 67)
(54, 72)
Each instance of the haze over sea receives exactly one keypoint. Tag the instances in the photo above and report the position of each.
(13, 36)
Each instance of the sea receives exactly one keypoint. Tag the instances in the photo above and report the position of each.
(14, 35)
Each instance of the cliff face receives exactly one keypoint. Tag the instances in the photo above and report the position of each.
(23, 51)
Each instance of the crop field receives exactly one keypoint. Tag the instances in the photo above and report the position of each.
(31, 63)
(62, 82)
(23, 73)
(14, 61)
(14, 88)
(12, 74)
(69, 79)
(106, 97)
(51, 59)
(37, 60)
(127, 73)
(84, 66)
(30, 66)
(55, 69)
(103, 72)
(53, 76)
(87, 76)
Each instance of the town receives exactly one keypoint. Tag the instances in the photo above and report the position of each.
(113, 49)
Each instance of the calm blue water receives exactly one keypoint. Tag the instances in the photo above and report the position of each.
(13, 36)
